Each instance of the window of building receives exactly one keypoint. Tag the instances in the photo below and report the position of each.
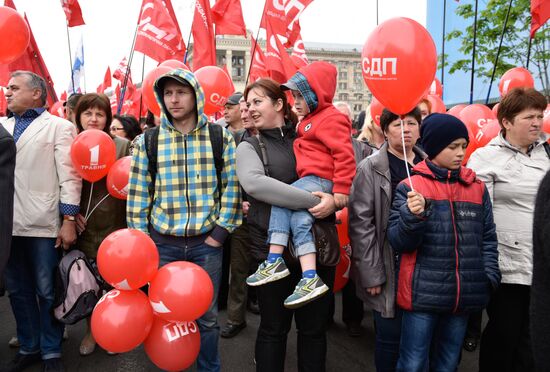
(343, 85)
(343, 75)
(358, 96)
(357, 107)
(343, 97)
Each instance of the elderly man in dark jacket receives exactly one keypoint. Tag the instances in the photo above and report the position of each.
(7, 166)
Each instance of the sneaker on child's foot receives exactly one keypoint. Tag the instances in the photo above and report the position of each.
(268, 272)
(307, 290)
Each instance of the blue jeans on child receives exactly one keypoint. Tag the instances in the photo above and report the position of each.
(431, 341)
(283, 221)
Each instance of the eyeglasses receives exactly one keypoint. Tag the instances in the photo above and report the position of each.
(115, 129)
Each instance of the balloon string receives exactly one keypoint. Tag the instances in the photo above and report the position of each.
(89, 200)
(405, 154)
(94, 208)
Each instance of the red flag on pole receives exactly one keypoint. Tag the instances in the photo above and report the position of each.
(31, 60)
(107, 82)
(283, 17)
(72, 12)
(204, 43)
(228, 17)
(158, 33)
(278, 62)
(121, 70)
(257, 63)
(540, 13)
(63, 96)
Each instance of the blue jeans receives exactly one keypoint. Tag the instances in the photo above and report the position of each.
(283, 221)
(431, 341)
(30, 279)
(210, 259)
(388, 336)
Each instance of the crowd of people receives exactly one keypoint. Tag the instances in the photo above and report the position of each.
(433, 242)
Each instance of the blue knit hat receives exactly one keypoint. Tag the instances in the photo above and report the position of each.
(438, 131)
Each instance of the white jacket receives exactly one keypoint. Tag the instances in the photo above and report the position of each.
(512, 179)
(44, 175)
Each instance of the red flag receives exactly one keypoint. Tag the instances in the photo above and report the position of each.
(158, 34)
(204, 42)
(3, 103)
(121, 70)
(278, 62)
(106, 81)
(72, 12)
(32, 61)
(228, 17)
(63, 96)
(298, 55)
(283, 18)
(540, 13)
(257, 63)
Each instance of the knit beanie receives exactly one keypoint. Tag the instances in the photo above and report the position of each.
(438, 131)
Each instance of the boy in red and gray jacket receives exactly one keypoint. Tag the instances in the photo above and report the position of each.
(325, 163)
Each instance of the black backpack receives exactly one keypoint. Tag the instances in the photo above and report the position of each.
(151, 139)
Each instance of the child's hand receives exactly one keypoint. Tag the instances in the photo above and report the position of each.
(415, 202)
(341, 200)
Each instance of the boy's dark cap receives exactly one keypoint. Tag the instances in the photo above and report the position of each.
(439, 130)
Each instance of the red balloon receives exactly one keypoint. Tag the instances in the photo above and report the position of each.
(546, 123)
(16, 35)
(93, 152)
(476, 116)
(127, 259)
(181, 292)
(174, 63)
(122, 320)
(343, 267)
(376, 109)
(173, 346)
(399, 61)
(455, 110)
(148, 91)
(57, 109)
(495, 109)
(217, 87)
(437, 104)
(487, 133)
(436, 89)
(514, 78)
(117, 179)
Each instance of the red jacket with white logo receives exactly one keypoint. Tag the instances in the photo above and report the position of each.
(323, 147)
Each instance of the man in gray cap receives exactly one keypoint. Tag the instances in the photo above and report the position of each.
(232, 114)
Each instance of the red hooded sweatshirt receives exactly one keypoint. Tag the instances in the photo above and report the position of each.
(323, 147)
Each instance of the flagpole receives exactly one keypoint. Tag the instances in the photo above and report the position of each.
(141, 95)
(473, 57)
(443, 45)
(125, 83)
(70, 56)
(377, 12)
(189, 37)
(498, 51)
(254, 47)
(529, 53)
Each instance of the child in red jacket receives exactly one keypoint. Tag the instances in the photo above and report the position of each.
(324, 163)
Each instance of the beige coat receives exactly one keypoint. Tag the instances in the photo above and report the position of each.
(44, 175)
(512, 179)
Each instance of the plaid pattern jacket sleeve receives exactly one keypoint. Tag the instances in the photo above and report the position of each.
(137, 207)
(230, 216)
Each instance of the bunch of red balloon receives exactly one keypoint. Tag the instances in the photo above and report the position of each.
(179, 293)
(93, 153)
(14, 45)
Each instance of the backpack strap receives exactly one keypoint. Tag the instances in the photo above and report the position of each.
(260, 148)
(547, 148)
(151, 139)
(216, 141)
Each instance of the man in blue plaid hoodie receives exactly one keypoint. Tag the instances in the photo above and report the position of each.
(186, 212)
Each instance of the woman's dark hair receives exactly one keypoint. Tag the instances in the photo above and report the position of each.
(387, 117)
(94, 100)
(516, 101)
(130, 125)
(272, 89)
(73, 99)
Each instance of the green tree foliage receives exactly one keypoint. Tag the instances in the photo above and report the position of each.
(515, 44)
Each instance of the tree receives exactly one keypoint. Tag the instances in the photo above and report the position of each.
(515, 44)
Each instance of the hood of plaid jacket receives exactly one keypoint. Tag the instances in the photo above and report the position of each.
(182, 76)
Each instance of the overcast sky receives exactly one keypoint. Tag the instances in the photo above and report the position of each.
(110, 26)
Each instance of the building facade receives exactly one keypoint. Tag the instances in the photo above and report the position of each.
(235, 54)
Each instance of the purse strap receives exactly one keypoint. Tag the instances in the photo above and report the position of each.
(260, 148)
